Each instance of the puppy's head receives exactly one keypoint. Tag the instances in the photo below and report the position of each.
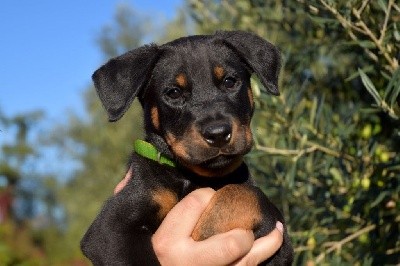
(196, 94)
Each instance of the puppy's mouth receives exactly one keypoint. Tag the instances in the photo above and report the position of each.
(213, 158)
(218, 166)
(220, 161)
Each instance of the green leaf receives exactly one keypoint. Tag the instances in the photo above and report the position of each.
(337, 176)
(313, 112)
(370, 87)
(319, 110)
(323, 21)
(393, 83)
(395, 94)
(396, 32)
(290, 176)
(394, 167)
(369, 110)
(382, 5)
(357, 74)
(379, 198)
(366, 44)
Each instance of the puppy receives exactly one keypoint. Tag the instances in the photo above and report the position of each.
(197, 101)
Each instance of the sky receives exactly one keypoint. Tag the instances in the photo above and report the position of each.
(48, 53)
(48, 50)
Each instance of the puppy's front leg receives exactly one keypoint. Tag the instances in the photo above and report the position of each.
(246, 207)
(121, 233)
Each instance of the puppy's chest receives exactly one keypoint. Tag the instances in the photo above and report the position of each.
(161, 188)
(164, 186)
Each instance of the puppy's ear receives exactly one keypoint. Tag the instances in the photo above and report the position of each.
(122, 78)
(262, 57)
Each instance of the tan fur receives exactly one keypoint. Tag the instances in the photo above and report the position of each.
(165, 199)
(219, 72)
(251, 99)
(181, 80)
(155, 119)
(233, 206)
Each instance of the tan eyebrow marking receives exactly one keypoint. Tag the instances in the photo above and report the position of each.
(181, 80)
(219, 72)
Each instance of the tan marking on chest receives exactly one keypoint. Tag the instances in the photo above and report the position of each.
(165, 200)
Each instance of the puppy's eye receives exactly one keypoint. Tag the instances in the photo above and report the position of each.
(229, 82)
(173, 93)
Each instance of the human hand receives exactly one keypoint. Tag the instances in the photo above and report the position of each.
(173, 244)
(124, 181)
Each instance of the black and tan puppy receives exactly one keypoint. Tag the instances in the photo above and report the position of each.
(198, 103)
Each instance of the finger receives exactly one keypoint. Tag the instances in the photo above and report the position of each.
(181, 220)
(225, 248)
(264, 247)
(124, 181)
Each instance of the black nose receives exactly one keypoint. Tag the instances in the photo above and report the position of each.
(217, 134)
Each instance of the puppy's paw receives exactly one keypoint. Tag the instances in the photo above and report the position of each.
(233, 206)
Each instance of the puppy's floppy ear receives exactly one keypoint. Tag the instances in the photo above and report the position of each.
(261, 56)
(122, 78)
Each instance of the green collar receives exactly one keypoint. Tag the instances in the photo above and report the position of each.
(148, 151)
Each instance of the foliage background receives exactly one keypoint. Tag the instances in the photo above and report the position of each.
(326, 149)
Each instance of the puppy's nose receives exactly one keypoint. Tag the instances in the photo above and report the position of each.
(217, 134)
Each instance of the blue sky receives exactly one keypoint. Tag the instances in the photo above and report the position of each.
(48, 50)
(48, 53)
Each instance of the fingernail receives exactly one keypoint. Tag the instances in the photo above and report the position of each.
(279, 226)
